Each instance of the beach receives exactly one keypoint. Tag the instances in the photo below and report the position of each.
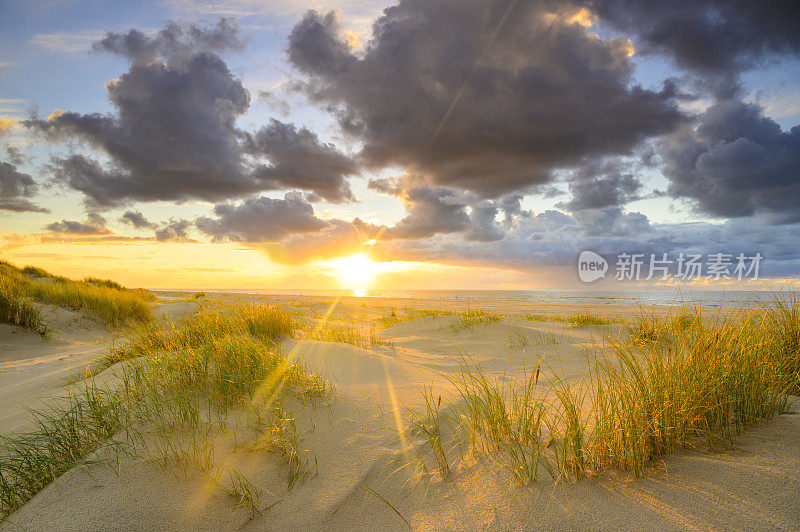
(362, 466)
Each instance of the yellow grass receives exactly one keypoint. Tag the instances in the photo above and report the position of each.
(102, 299)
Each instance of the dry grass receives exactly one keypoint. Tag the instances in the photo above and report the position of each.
(412, 314)
(345, 334)
(520, 339)
(16, 309)
(182, 387)
(104, 300)
(472, 319)
(670, 383)
(577, 320)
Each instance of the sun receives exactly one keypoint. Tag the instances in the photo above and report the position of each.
(356, 272)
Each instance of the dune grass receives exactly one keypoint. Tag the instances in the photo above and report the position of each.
(577, 320)
(207, 325)
(64, 435)
(16, 309)
(469, 319)
(520, 339)
(412, 314)
(345, 334)
(244, 492)
(104, 300)
(472, 319)
(668, 384)
(112, 306)
(180, 389)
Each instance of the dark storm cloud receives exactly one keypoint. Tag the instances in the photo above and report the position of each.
(92, 226)
(438, 210)
(15, 155)
(611, 222)
(736, 163)
(174, 231)
(512, 209)
(483, 227)
(714, 38)
(15, 190)
(172, 41)
(555, 239)
(429, 210)
(297, 158)
(136, 219)
(610, 189)
(261, 219)
(174, 134)
(428, 94)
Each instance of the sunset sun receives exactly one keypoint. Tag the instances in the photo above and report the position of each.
(356, 272)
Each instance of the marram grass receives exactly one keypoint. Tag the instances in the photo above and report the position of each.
(16, 309)
(665, 384)
(103, 300)
(181, 388)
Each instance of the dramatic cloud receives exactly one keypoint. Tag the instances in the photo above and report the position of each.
(261, 220)
(437, 210)
(174, 231)
(297, 158)
(601, 187)
(484, 95)
(137, 220)
(714, 38)
(173, 41)
(338, 238)
(174, 137)
(483, 227)
(15, 189)
(736, 163)
(94, 225)
(171, 231)
(15, 155)
(174, 134)
(555, 239)
(428, 210)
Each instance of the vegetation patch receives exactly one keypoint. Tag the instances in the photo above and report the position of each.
(577, 320)
(181, 389)
(670, 383)
(345, 334)
(104, 300)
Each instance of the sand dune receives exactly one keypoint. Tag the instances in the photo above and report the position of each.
(34, 371)
(357, 450)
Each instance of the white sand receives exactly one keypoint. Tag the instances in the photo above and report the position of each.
(34, 371)
(755, 485)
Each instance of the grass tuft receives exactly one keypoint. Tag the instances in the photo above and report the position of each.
(64, 435)
(471, 319)
(577, 320)
(670, 383)
(102, 299)
(182, 388)
(18, 310)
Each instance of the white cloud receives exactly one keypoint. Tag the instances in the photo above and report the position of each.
(68, 42)
(11, 107)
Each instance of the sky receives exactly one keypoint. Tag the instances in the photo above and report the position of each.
(419, 144)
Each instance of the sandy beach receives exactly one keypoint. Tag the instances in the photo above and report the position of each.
(363, 474)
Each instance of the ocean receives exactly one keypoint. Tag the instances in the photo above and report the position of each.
(707, 298)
